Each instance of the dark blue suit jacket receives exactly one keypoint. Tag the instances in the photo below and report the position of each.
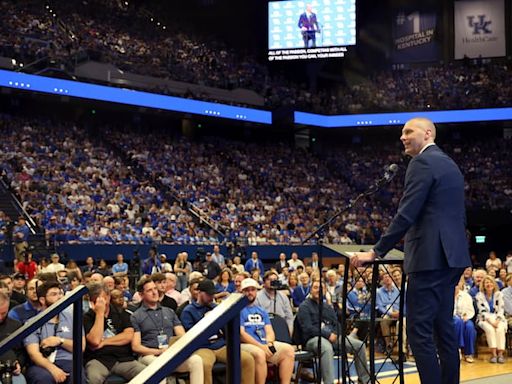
(431, 215)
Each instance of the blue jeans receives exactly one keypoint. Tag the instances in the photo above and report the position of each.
(352, 345)
(19, 379)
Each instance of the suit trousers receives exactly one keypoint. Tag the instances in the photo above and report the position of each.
(430, 326)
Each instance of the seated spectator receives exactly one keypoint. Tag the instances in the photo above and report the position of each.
(161, 285)
(103, 268)
(215, 348)
(18, 287)
(302, 291)
(273, 301)
(388, 307)
(493, 261)
(51, 347)
(55, 266)
(295, 262)
(308, 318)
(108, 332)
(463, 313)
(6, 287)
(491, 317)
(478, 276)
(154, 327)
(224, 285)
(507, 300)
(31, 307)
(237, 280)
(258, 338)
(89, 265)
(171, 291)
(8, 326)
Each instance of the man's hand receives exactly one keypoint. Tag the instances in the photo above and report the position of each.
(99, 306)
(358, 259)
(58, 374)
(266, 349)
(17, 371)
(52, 341)
(332, 337)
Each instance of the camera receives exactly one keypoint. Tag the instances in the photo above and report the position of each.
(7, 367)
(277, 285)
(46, 352)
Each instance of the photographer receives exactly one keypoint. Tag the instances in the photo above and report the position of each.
(51, 347)
(273, 301)
(12, 360)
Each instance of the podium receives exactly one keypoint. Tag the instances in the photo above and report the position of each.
(364, 313)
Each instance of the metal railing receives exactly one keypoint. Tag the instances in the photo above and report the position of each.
(75, 298)
(227, 315)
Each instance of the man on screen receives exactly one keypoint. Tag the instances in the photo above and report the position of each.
(308, 25)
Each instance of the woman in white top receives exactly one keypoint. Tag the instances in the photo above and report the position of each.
(491, 317)
(493, 261)
(463, 312)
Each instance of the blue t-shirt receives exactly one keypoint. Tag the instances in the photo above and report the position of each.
(254, 319)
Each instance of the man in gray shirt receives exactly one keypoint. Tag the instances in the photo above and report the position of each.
(154, 325)
(274, 301)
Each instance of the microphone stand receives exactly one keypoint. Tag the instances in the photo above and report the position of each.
(319, 234)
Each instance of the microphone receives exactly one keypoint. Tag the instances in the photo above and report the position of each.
(390, 172)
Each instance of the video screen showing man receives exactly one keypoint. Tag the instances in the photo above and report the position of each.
(309, 26)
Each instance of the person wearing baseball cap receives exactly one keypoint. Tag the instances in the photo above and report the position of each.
(214, 350)
(258, 338)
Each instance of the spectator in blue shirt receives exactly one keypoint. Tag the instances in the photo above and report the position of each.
(254, 263)
(388, 306)
(120, 266)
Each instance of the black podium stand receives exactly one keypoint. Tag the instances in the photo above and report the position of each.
(393, 260)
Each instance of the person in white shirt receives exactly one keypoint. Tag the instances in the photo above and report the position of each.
(493, 262)
(55, 266)
(463, 312)
(508, 262)
(491, 317)
(295, 262)
(166, 267)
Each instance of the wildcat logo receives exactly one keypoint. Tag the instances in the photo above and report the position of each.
(479, 24)
(255, 318)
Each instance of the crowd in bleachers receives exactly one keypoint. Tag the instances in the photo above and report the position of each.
(286, 288)
(80, 191)
(128, 39)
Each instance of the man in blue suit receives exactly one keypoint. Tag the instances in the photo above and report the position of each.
(308, 25)
(431, 215)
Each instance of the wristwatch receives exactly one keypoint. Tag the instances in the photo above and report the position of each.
(61, 341)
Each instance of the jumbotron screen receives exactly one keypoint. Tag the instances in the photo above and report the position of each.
(317, 29)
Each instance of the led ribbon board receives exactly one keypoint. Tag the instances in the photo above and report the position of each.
(400, 118)
(126, 96)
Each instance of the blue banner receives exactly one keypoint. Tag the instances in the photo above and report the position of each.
(414, 37)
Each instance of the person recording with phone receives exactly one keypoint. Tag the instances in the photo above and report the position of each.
(309, 26)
